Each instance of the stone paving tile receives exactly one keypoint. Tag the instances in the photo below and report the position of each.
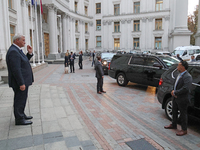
(72, 141)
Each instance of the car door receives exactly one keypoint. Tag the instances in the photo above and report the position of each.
(135, 72)
(195, 89)
(153, 69)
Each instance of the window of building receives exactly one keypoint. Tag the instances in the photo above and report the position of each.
(31, 37)
(10, 4)
(116, 43)
(136, 43)
(137, 25)
(117, 26)
(77, 47)
(86, 44)
(117, 9)
(12, 32)
(75, 7)
(98, 41)
(98, 8)
(159, 5)
(86, 27)
(45, 17)
(29, 10)
(158, 24)
(98, 24)
(76, 26)
(86, 10)
(158, 42)
(136, 7)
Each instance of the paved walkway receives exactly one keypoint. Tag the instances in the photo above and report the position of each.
(69, 115)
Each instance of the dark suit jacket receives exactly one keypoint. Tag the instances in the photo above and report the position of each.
(182, 88)
(99, 69)
(80, 58)
(66, 61)
(71, 60)
(19, 68)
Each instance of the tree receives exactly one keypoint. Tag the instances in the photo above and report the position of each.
(192, 25)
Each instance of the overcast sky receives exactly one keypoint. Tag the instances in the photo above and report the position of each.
(191, 5)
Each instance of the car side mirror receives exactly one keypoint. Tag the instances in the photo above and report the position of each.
(157, 65)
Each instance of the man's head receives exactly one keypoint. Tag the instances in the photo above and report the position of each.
(71, 53)
(192, 57)
(177, 55)
(98, 58)
(94, 51)
(19, 40)
(182, 66)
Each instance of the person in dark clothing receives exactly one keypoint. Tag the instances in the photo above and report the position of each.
(93, 55)
(20, 77)
(179, 58)
(80, 60)
(71, 58)
(180, 98)
(99, 75)
(66, 62)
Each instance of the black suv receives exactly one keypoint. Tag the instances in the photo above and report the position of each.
(139, 68)
(166, 86)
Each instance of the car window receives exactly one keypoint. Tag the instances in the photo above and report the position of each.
(151, 62)
(107, 55)
(180, 52)
(195, 73)
(169, 61)
(191, 52)
(120, 60)
(137, 61)
(197, 51)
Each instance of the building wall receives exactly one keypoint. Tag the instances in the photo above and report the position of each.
(61, 18)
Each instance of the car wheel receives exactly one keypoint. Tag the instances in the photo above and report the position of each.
(121, 79)
(168, 109)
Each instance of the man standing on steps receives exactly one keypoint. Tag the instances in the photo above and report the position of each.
(93, 55)
(20, 77)
(99, 75)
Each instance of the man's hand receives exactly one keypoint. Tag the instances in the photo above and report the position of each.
(29, 49)
(102, 76)
(22, 87)
(172, 93)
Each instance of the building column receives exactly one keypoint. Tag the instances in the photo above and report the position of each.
(64, 32)
(143, 41)
(129, 37)
(181, 34)
(52, 32)
(197, 36)
(165, 39)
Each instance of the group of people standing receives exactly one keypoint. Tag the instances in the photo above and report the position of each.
(69, 61)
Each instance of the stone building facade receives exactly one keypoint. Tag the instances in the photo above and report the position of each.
(99, 25)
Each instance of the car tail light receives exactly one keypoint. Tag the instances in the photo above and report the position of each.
(161, 81)
(109, 66)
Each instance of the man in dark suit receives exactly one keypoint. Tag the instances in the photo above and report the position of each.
(71, 59)
(99, 75)
(93, 55)
(20, 77)
(80, 60)
(180, 98)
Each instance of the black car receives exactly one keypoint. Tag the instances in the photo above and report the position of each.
(105, 60)
(139, 68)
(166, 86)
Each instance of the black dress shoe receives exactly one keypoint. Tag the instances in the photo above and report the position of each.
(103, 91)
(23, 122)
(28, 117)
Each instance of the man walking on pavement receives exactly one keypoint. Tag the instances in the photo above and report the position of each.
(93, 55)
(99, 75)
(20, 77)
(71, 61)
(180, 98)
